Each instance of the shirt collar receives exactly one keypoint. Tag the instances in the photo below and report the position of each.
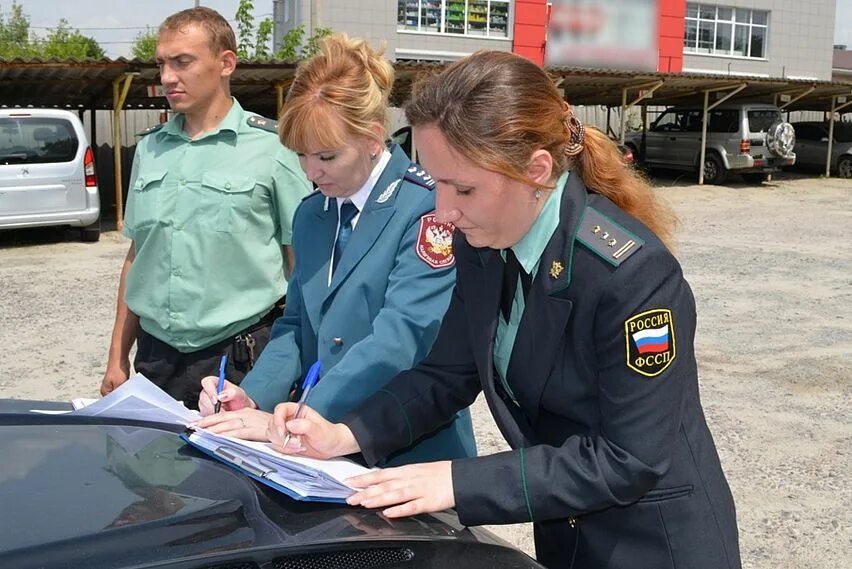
(231, 123)
(360, 197)
(532, 245)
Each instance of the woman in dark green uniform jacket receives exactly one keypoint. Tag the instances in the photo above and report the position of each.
(573, 318)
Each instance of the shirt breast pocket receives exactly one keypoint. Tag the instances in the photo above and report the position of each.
(233, 200)
(147, 192)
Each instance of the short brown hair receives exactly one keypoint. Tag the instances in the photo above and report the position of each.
(218, 30)
(347, 80)
(496, 109)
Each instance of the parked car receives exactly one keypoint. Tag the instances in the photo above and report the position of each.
(47, 172)
(83, 492)
(750, 139)
(812, 146)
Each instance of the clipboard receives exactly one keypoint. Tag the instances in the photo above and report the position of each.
(284, 478)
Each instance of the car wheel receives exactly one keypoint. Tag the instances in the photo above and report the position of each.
(755, 178)
(844, 167)
(91, 233)
(714, 170)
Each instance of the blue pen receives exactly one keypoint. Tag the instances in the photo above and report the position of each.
(310, 380)
(222, 363)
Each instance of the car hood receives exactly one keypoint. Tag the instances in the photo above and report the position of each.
(112, 493)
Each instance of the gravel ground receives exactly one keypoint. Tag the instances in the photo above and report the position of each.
(771, 268)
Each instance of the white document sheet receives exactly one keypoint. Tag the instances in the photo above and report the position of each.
(139, 399)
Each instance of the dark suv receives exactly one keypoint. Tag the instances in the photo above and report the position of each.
(750, 139)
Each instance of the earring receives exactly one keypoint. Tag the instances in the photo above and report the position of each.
(373, 156)
(537, 194)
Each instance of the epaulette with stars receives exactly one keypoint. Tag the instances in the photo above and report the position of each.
(606, 238)
(418, 175)
(262, 123)
(151, 129)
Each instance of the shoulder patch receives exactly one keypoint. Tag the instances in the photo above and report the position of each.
(262, 123)
(418, 175)
(606, 238)
(650, 341)
(435, 242)
(151, 129)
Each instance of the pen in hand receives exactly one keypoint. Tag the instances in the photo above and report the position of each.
(222, 363)
(310, 380)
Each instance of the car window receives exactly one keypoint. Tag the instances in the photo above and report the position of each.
(670, 121)
(723, 121)
(760, 121)
(692, 121)
(36, 140)
(809, 132)
(843, 132)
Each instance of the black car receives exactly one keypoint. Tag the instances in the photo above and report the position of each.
(83, 492)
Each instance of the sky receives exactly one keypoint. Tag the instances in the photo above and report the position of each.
(115, 23)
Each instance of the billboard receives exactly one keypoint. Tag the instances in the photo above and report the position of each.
(614, 34)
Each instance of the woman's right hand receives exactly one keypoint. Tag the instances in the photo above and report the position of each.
(233, 397)
(310, 434)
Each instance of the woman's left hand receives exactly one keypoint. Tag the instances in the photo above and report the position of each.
(248, 424)
(412, 489)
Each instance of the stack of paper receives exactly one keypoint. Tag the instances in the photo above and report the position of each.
(299, 477)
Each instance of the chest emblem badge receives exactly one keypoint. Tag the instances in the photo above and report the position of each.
(556, 269)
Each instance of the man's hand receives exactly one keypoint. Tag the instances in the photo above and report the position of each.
(233, 397)
(410, 490)
(115, 375)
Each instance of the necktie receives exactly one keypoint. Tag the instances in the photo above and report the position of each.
(511, 272)
(348, 211)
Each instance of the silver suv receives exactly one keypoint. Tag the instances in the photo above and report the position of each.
(47, 172)
(750, 139)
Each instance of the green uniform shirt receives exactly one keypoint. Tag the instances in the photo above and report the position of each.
(208, 218)
(528, 250)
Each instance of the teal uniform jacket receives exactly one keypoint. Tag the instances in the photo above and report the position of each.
(379, 316)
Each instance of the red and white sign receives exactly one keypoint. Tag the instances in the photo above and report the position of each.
(435, 242)
(156, 91)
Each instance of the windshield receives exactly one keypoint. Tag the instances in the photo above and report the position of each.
(760, 121)
(31, 140)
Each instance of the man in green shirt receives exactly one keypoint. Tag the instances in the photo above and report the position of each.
(209, 210)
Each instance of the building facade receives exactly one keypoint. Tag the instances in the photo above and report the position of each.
(425, 30)
(765, 38)
(790, 39)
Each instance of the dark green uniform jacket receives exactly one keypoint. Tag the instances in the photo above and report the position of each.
(612, 458)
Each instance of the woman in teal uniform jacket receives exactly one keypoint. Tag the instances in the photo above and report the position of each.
(374, 269)
(574, 320)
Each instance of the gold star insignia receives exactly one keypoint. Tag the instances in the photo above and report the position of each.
(556, 269)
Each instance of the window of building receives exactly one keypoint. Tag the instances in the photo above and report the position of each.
(484, 18)
(721, 30)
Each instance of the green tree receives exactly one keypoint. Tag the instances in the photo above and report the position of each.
(145, 45)
(64, 42)
(291, 42)
(245, 28)
(312, 46)
(294, 46)
(15, 40)
(264, 35)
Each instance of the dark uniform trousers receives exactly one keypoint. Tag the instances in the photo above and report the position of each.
(179, 374)
(612, 461)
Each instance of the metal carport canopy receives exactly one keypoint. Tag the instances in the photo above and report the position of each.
(117, 84)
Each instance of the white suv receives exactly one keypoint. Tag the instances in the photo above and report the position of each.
(47, 172)
(742, 138)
